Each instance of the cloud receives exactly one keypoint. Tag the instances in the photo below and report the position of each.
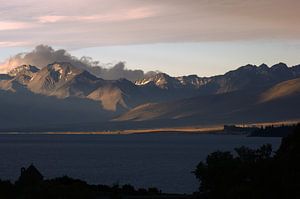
(43, 55)
(13, 25)
(122, 15)
(119, 71)
(12, 43)
(51, 18)
(89, 23)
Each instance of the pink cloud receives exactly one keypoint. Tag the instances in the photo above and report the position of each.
(13, 25)
(88, 23)
(4, 44)
(8, 65)
(51, 18)
(121, 15)
(140, 13)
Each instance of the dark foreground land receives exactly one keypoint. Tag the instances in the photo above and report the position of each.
(245, 174)
(31, 185)
(253, 174)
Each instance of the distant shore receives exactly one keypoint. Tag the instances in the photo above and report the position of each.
(131, 131)
(146, 131)
(186, 129)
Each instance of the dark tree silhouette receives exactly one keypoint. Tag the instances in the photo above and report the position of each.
(31, 185)
(253, 173)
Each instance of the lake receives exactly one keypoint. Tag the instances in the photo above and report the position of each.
(164, 161)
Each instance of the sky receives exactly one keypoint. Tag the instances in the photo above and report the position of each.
(203, 37)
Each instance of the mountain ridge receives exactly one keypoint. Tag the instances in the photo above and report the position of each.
(162, 80)
(238, 95)
(237, 106)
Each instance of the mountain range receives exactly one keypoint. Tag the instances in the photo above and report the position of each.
(61, 96)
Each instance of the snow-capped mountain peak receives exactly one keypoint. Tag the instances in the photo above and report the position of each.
(165, 81)
(160, 80)
(23, 70)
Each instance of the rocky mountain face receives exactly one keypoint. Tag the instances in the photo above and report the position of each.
(250, 93)
(252, 77)
(241, 92)
(276, 103)
(245, 77)
(164, 81)
(63, 80)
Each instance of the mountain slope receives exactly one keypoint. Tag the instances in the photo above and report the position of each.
(245, 77)
(63, 94)
(164, 81)
(251, 77)
(28, 110)
(282, 90)
(63, 80)
(238, 106)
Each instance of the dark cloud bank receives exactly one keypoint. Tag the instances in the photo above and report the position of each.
(43, 55)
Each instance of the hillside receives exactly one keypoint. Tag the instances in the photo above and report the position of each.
(61, 94)
(279, 102)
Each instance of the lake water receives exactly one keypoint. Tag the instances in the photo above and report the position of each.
(145, 160)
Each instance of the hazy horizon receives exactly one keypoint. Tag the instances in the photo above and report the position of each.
(196, 37)
(208, 70)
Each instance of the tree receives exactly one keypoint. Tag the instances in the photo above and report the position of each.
(253, 173)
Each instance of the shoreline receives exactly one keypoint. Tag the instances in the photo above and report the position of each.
(187, 130)
(213, 129)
